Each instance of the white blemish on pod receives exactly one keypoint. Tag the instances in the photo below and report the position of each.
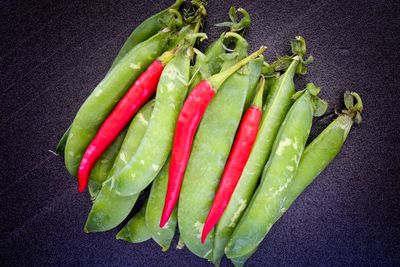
(238, 212)
(97, 93)
(198, 226)
(134, 66)
(142, 119)
(142, 162)
(122, 157)
(155, 167)
(282, 144)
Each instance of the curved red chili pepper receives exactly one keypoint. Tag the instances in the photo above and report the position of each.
(188, 121)
(240, 152)
(139, 93)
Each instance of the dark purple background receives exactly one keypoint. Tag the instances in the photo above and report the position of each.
(53, 53)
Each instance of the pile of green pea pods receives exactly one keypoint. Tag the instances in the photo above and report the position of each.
(280, 166)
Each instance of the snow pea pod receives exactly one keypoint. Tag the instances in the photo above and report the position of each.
(278, 173)
(154, 149)
(317, 156)
(277, 105)
(135, 231)
(103, 99)
(148, 28)
(209, 153)
(110, 209)
(163, 236)
(144, 31)
(103, 166)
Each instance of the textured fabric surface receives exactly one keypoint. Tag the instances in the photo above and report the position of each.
(53, 53)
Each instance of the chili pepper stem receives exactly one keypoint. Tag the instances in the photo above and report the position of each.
(217, 80)
(257, 102)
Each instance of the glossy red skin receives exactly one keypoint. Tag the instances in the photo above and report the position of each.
(238, 157)
(138, 95)
(188, 122)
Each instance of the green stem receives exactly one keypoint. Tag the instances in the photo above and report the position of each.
(359, 104)
(241, 44)
(257, 102)
(218, 79)
(177, 4)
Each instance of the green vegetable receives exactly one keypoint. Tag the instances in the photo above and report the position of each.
(210, 150)
(323, 149)
(277, 105)
(107, 94)
(163, 236)
(317, 156)
(148, 28)
(277, 175)
(152, 153)
(144, 31)
(110, 209)
(135, 231)
(103, 166)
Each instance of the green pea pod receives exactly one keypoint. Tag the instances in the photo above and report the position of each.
(210, 150)
(322, 150)
(156, 145)
(163, 236)
(144, 31)
(316, 157)
(147, 29)
(135, 231)
(110, 209)
(277, 175)
(103, 166)
(107, 94)
(277, 105)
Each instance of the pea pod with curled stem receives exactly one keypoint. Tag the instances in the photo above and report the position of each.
(163, 236)
(210, 62)
(318, 154)
(144, 31)
(107, 94)
(103, 166)
(210, 151)
(278, 174)
(135, 231)
(277, 105)
(110, 209)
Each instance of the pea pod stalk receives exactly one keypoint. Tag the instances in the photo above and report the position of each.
(277, 104)
(188, 122)
(278, 173)
(238, 157)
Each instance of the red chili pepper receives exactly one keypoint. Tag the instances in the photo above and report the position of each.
(188, 121)
(244, 140)
(138, 95)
